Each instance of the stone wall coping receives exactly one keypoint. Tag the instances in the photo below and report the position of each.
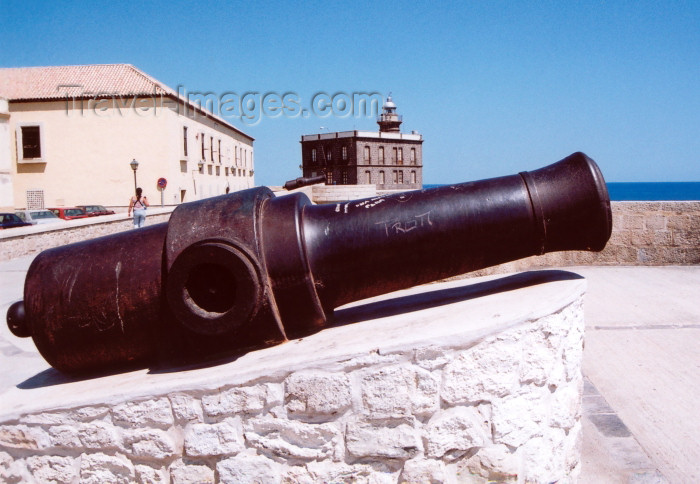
(72, 224)
(449, 315)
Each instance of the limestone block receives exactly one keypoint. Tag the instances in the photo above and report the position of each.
(12, 471)
(100, 468)
(223, 438)
(237, 400)
(374, 473)
(392, 439)
(486, 372)
(275, 394)
(633, 222)
(24, 437)
(422, 471)
(146, 413)
(182, 473)
(544, 458)
(516, 418)
(572, 346)
(59, 418)
(152, 475)
(398, 391)
(293, 439)
(297, 475)
(186, 408)
(495, 463)
(64, 436)
(316, 392)
(572, 450)
(49, 468)
(152, 443)
(456, 431)
(565, 408)
(99, 435)
(430, 358)
(247, 468)
(538, 358)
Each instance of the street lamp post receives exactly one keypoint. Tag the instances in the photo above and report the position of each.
(134, 166)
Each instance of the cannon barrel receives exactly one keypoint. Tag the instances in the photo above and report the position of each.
(303, 182)
(248, 269)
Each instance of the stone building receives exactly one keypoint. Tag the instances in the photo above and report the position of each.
(387, 158)
(75, 129)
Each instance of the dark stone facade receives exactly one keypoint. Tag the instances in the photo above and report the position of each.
(392, 161)
(387, 158)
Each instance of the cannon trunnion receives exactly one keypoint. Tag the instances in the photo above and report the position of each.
(248, 269)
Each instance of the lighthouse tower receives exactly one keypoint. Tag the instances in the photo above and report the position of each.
(389, 121)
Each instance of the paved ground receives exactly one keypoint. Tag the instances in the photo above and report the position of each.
(641, 367)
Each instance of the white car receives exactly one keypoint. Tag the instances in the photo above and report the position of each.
(38, 217)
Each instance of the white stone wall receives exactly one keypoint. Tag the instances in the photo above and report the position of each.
(7, 200)
(504, 408)
(341, 193)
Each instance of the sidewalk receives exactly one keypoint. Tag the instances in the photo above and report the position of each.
(641, 364)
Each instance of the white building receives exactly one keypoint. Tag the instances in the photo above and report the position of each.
(73, 131)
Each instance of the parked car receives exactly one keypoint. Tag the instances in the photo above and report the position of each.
(38, 216)
(10, 220)
(94, 210)
(69, 213)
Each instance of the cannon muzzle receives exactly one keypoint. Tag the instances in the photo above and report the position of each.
(248, 269)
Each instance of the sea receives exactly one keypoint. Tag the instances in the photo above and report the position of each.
(647, 191)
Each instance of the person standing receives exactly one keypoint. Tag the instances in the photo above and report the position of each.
(138, 204)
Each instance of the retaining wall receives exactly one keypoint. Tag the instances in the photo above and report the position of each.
(644, 233)
(19, 242)
(459, 388)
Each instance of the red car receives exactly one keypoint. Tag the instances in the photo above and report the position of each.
(94, 210)
(69, 213)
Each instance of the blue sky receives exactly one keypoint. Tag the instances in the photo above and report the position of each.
(495, 87)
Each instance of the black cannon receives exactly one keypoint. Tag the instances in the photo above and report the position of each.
(247, 270)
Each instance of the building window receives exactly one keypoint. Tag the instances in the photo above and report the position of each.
(399, 159)
(382, 180)
(367, 154)
(218, 171)
(413, 156)
(413, 176)
(368, 177)
(183, 166)
(211, 145)
(313, 155)
(329, 178)
(30, 142)
(227, 171)
(184, 140)
(396, 176)
(329, 153)
(400, 177)
(219, 151)
(345, 152)
(204, 157)
(209, 169)
(344, 174)
(381, 155)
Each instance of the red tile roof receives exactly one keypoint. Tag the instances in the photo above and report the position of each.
(87, 81)
(61, 82)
